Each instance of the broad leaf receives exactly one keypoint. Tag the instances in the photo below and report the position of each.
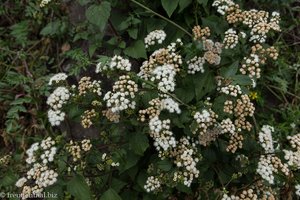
(169, 6)
(139, 143)
(137, 50)
(78, 188)
(110, 194)
(98, 14)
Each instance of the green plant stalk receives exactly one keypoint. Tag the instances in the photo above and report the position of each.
(168, 93)
(164, 18)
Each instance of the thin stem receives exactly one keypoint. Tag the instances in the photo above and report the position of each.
(164, 18)
(289, 93)
(168, 93)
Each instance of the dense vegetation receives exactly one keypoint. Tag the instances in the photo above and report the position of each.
(138, 99)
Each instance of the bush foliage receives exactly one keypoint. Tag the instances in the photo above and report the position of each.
(132, 99)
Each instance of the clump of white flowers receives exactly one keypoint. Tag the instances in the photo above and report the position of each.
(196, 65)
(231, 39)
(293, 157)
(205, 119)
(40, 175)
(78, 148)
(58, 78)
(170, 105)
(86, 85)
(152, 184)
(223, 5)
(232, 90)
(297, 187)
(44, 3)
(165, 75)
(116, 63)
(156, 36)
(56, 100)
(266, 139)
(160, 132)
(122, 96)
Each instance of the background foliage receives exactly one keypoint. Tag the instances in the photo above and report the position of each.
(68, 36)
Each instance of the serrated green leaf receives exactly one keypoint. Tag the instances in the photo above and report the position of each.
(169, 6)
(136, 50)
(110, 194)
(231, 70)
(98, 14)
(78, 188)
(241, 80)
(139, 143)
(9, 179)
(117, 184)
(165, 165)
(204, 84)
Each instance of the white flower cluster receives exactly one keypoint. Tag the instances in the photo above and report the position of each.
(204, 119)
(244, 195)
(39, 155)
(265, 168)
(116, 63)
(56, 100)
(196, 65)
(232, 90)
(293, 157)
(152, 184)
(212, 51)
(186, 159)
(261, 28)
(76, 148)
(170, 105)
(44, 3)
(163, 56)
(58, 78)
(165, 75)
(251, 65)
(223, 5)
(231, 39)
(155, 36)
(86, 85)
(160, 132)
(4, 160)
(265, 138)
(269, 164)
(122, 96)
(227, 126)
(297, 187)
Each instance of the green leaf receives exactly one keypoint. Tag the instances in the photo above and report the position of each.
(9, 179)
(83, 2)
(78, 188)
(117, 184)
(203, 2)
(53, 28)
(204, 84)
(137, 50)
(169, 6)
(21, 101)
(231, 70)
(183, 4)
(110, 194)
(133, 32)
(165, 165)
(139, 143)
(242, 80)
(98, 14)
